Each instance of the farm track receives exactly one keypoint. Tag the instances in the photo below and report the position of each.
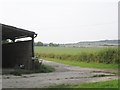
(64, 74)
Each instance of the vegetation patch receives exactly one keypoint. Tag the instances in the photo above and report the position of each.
(85, 64)
(40, 69)
(104, 84)
(97, 55)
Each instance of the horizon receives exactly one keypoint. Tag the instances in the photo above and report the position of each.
(79, 41)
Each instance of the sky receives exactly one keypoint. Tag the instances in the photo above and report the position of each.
(63, 21)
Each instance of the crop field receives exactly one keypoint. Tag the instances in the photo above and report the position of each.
(66, 50)
(108, 55)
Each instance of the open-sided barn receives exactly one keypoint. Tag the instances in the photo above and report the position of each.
(16, 53)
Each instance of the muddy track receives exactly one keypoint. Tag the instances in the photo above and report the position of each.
(64, 74)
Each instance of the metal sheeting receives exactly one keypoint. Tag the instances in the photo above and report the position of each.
(10, 32)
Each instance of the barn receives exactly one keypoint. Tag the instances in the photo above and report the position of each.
(15, 50)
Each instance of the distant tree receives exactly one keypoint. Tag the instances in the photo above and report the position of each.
(39, 44)
(43, 44)
(53, 45)
(56, 45)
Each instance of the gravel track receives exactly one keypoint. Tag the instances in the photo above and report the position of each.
(64, 74)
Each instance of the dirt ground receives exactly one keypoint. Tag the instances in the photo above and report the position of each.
(64, 74)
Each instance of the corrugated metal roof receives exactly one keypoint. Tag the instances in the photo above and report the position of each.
(10, 32)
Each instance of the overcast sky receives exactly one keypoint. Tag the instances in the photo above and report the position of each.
(63, 21)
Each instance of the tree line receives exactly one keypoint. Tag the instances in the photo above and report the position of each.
(44, 44)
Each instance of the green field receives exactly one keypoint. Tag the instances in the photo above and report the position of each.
(66, 50)
(105, 84)
(85, 65)
(84, 57)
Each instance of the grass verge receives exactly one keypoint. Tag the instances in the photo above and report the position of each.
(85, 64)
(105, 84)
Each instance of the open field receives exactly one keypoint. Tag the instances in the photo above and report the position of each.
(105, 55)
(67, 50)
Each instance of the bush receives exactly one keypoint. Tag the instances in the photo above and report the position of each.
(41, 68)
(108, 56)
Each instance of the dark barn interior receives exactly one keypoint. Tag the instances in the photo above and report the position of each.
(17, 52)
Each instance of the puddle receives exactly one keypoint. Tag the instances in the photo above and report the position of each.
(102, 74)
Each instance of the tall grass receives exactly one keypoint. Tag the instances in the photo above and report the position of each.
(101, 55)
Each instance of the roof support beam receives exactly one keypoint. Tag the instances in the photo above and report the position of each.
(32, 46)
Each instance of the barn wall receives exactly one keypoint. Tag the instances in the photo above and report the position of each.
(0, 48)
(17, 53)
